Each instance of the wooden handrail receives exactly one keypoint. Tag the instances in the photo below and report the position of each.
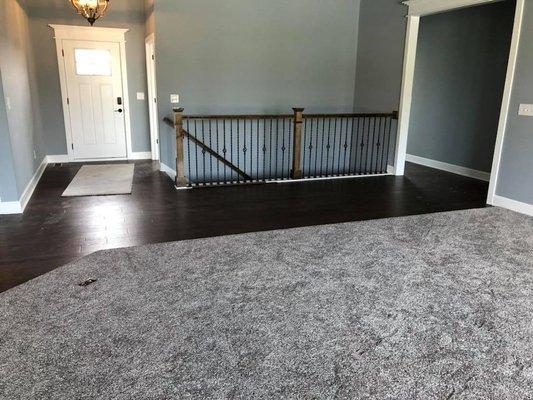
(348, 115)
(393, 114)
(256, 116)
(209, 150)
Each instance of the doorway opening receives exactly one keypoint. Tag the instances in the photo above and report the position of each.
(419, 9)
(458, 87)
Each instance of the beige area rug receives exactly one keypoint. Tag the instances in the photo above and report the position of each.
(97, 180)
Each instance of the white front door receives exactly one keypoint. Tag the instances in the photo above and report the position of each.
(95, 99)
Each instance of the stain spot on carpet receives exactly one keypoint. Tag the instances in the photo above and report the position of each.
(87, 282)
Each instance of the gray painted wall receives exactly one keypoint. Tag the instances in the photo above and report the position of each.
(8, 183)
(460, 74)
(122, 14)
(382, 25)
(516, 169)
(17, 70)
(254, 56)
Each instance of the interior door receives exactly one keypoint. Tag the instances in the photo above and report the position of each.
(95, 99)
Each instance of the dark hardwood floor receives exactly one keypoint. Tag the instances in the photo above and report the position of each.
(54, 230)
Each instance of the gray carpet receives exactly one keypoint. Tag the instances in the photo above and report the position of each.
(426, 307)
(98, 180)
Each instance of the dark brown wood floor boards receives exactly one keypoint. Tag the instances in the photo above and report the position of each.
(55, 230)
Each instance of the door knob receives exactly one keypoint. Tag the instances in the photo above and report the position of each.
(119, 110)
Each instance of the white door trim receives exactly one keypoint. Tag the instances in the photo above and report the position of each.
(420, 8)
(152, 94)
(92, 34)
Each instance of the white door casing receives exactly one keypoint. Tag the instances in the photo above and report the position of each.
(104, 38)
(152, 95)
(420, 8)
(95, 99)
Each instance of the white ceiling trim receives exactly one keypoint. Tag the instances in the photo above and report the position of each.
(420, 8)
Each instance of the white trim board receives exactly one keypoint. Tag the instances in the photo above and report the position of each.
(513, 205)
(167, 170)
(10, 207)
(140, 155)
(57, 159)
(151, 77)
(455, 169)
(428, 7)
(418, 9)
(506, 102)
(18, 207)
(93, 34)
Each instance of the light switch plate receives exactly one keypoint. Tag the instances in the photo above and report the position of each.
(526, 110)
(174, 98)
(140, 96)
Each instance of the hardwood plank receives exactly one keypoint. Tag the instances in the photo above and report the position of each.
(54, 230)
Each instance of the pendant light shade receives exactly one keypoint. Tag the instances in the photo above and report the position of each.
(91, 10)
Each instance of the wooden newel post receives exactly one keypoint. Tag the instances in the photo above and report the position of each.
(181, 181)
(296, 172)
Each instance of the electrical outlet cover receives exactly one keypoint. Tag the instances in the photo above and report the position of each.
(526, 110)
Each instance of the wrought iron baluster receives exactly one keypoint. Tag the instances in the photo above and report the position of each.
(189, 153)
(231, 147)
(362, 144)
(335, 136)
(352, 132)
(304, 134)
(328, 146)
(383, 147)
(196, 173)
(203, 151)
(378, 147)
(344, 145)
(289, 144)
(316, 147)
(210, 157)
(225, 149)
(244, 149)
(270, 149)
(389, 133)
(264, 149)
(238, 149)
(370, 148)
(251, 150)
(282, 149)
(257, 161)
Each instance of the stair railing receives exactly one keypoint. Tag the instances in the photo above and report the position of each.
(242, 149)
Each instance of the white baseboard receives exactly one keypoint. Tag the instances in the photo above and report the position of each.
(18, 207)
(518, 206)
(63, 158)
(10, 207)
(167, 170)
(455, 169)
(142, 155)
(57, 159)
(30, 188)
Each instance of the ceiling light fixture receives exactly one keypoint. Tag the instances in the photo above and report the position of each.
(91, 10)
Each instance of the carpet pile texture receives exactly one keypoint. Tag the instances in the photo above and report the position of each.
(437, 306)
